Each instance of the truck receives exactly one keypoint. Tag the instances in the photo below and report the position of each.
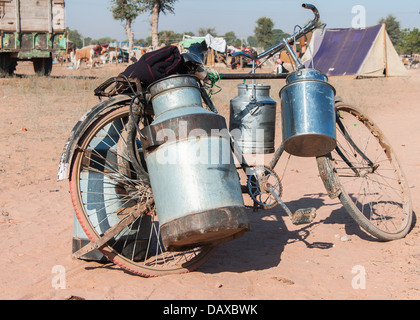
(31, 30)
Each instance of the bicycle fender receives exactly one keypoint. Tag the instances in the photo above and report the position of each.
(331, 184)
(79, 129)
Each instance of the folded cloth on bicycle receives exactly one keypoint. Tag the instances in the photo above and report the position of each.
(155, 65)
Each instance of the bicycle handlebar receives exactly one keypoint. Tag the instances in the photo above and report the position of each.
(309, 27)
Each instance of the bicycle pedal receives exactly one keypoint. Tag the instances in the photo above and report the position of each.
(304, 216)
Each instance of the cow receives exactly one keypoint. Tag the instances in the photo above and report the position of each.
(108, 57)
(86, 54)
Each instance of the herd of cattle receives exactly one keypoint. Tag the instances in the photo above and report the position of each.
(92, 55)
(99, 54)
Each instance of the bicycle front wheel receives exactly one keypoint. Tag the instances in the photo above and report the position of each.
(374, 189)
(105, 189)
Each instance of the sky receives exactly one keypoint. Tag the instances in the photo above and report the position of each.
(93, 18)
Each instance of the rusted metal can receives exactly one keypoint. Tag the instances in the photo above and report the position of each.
(192, 173)
(253, 119)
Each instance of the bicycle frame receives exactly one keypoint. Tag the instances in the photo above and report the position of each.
(284, 44)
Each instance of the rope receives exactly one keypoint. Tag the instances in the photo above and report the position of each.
(214, 78)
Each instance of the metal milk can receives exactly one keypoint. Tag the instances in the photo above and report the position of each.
(308, 114)
(192, 173)
(253, 119)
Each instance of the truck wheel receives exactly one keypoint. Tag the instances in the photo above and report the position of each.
(43, 66)
(7, 65)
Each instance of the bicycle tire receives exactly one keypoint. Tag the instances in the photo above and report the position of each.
(368, 176)
(104, 185)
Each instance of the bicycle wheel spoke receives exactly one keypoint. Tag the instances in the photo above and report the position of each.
(375, 191)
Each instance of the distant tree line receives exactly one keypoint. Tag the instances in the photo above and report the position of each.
(264, 36)
(406, 41)
(127, 11)
(80, 41)
(166, 37)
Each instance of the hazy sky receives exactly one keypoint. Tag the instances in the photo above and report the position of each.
(92, 18)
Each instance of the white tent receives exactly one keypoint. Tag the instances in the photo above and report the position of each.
(366, 52)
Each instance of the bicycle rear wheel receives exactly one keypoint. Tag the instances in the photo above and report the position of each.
(373, 187)
(105, 188)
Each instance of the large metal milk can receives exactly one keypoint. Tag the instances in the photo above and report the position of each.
(253, 119)
(192, 173)
(308, 114)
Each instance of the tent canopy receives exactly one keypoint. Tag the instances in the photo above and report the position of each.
(364, 52)
(218, 44)
(187, 42)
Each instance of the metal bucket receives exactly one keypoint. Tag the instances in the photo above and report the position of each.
(192, 173)
(253, 119)
(178, 91)
(306, 74)
(308, 115)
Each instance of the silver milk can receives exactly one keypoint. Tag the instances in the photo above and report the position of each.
(308, 114)
(253, 119)
(192, 173)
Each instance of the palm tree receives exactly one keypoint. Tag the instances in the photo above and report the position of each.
(155, 7)
(127, 10)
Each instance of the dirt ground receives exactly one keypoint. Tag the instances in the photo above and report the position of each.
(276, 260)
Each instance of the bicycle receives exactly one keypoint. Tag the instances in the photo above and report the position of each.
(113, 200)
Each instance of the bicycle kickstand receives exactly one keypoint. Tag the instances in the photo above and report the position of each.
(301, 216)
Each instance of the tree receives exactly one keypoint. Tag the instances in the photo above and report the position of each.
(144, 42)
(278, 36)
(168, 36)
(75, 37)
(232, 39)
(103, 40)
(264, 31)
(392, 26)
(127, 10)
(252, 41)
(156, 7)
(87, 41)
(204, 31)
(410, 41)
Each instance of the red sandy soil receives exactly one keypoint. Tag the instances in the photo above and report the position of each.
(276, 260)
